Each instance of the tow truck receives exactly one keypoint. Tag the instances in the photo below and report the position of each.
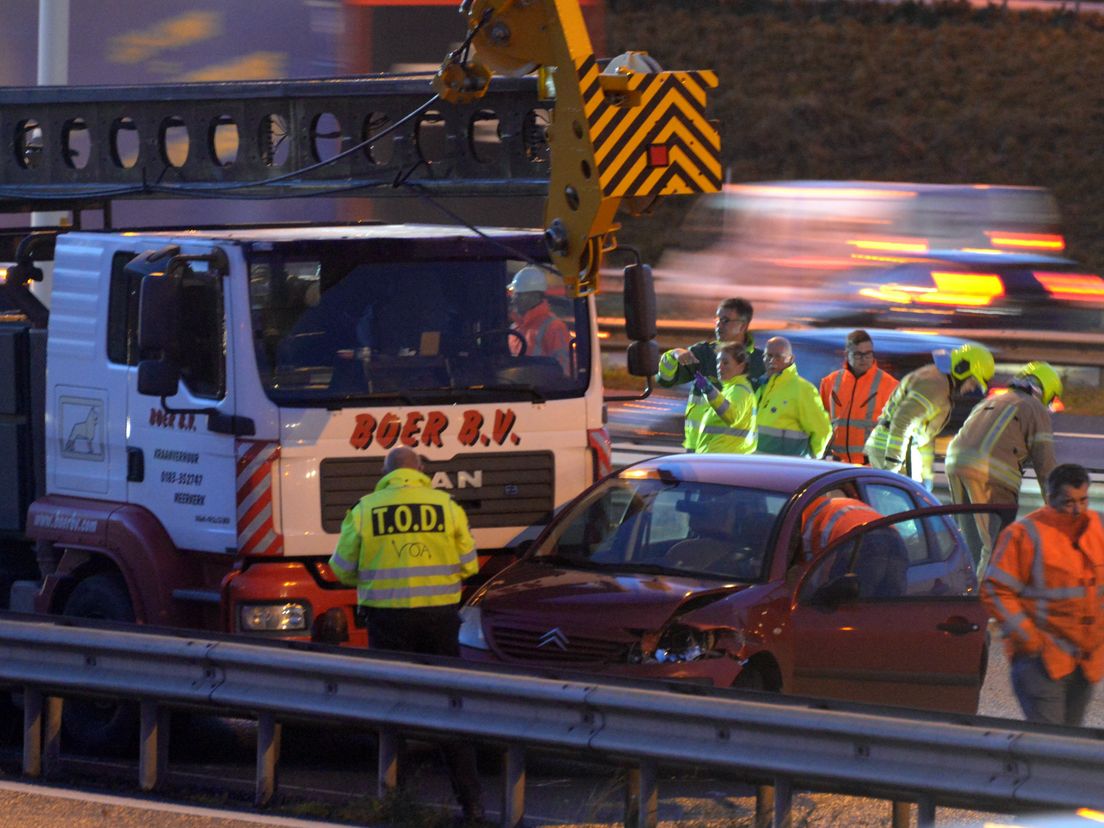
(190, 418)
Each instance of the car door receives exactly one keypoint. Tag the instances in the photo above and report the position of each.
(890, 614)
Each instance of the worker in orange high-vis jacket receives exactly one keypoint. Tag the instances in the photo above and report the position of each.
(854, 397)
(1045, 586)
(830, 518)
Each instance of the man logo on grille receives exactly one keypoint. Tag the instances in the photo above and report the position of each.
(553, 636)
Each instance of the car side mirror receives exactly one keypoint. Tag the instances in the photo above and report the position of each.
(837, 592)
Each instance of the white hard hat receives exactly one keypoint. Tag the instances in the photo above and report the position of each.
(530, 279)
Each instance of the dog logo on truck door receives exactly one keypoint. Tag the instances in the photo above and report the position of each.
(81, 428)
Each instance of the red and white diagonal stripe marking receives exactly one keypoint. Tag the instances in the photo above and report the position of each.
(256, 533)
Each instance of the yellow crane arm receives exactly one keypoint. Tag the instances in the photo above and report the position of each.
(628, 131)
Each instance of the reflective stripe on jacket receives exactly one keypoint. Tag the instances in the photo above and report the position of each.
(791, 418)
(405, 545)
(830, 518)
(917, 410)
(1045, 586)
(854, 405)
(729, 422)
(999, 437)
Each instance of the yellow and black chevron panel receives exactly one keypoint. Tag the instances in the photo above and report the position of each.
(656, 139)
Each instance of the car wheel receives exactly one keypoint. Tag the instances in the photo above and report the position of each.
(100, 726)
(750, 678)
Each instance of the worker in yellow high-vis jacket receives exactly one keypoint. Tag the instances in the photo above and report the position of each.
(791, 417)
(679, 365)
(407, 548)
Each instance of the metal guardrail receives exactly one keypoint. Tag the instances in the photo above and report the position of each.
(1064, 349)
(981, 764)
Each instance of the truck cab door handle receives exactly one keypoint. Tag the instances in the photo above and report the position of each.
(957, 625)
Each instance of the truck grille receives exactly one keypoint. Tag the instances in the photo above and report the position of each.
(518, 644)
(517, 489)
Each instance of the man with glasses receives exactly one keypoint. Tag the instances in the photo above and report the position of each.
(854, 397)
(791, 417)
(679, 365)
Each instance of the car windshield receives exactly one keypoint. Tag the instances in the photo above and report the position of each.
(341, 321)
(673, 527)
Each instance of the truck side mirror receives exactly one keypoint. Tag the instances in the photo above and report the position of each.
(640, 303)
(158, 378)
(642, 358)
(159, 312)
(159, 320)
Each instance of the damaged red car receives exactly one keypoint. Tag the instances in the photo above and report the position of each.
(697, 567)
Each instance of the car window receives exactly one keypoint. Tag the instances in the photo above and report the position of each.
(922, 557)
(696, 528)
(889, 500)
(597, 522)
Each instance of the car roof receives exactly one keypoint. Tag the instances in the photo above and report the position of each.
(766, 472)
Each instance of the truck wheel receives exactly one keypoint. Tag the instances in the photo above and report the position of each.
(104, 727)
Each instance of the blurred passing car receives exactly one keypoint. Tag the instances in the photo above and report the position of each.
(817, 352)
(695, 567)
(967, 289)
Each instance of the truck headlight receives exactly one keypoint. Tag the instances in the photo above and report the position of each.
(471, 629)
(272, 617)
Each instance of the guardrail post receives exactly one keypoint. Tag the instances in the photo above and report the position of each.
(513, 787)
(268, 753)
(641, 796)
(902, 814)
(783, 803)
(41, 733)
(51, 737)
(32, 732)
(388, 773)
(764, 805)
(925, 812)
(153, 745)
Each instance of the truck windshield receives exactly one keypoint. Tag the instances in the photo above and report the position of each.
(333, 324)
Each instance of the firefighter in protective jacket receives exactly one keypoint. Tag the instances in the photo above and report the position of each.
(854, 397)
(920, 407)
(985, 460)
(791, 417)
(1045, 587)
(679, 365)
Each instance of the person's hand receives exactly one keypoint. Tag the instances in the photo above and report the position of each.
(703, 386)
(686, 357)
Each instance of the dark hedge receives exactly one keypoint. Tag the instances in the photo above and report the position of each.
(905, 92)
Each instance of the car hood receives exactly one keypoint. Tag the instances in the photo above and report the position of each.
(542, 593)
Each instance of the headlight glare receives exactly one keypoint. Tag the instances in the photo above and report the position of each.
(272, 617)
